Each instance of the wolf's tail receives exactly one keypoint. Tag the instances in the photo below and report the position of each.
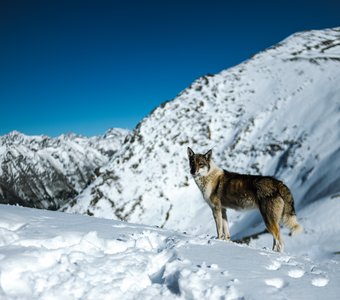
(289, 215)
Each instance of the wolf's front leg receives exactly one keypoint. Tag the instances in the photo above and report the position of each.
(217, 213)
(225, 224)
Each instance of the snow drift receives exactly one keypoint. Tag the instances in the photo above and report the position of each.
(53, 255)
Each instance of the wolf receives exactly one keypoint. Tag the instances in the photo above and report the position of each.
(222, 189)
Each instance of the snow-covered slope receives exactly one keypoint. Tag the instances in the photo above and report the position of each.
(276, 114)
(52, 255)
(44, 172)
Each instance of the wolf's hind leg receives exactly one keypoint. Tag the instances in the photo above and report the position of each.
(225, 224)
(274, 229)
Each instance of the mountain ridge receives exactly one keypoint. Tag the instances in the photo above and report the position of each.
(270, 115)
(44, 172)
(274, 114)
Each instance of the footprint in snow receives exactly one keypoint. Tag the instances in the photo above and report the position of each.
(296, 273)
(320, 281)
(275, 282)
(284, 259)
(275, 265)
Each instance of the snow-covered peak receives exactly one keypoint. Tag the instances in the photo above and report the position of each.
(113, 132)
(17, 138)
(275, 114)
(45, 172)
(313, 44)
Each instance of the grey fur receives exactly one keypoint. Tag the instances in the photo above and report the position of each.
(222, 189)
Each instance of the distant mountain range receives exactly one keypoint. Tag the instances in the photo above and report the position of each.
(44, 172)
(277, 113)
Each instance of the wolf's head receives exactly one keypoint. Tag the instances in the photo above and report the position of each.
(199, 163)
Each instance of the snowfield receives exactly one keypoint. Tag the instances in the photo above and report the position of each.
(54, 255)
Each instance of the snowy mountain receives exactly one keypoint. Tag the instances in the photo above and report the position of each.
(53, 255)
(44, 172)
(277, 113)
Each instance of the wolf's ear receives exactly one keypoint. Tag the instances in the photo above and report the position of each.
(190, 152)
(208, 154)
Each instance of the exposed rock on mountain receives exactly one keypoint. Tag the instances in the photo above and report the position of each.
(275, 114)
(44, 172)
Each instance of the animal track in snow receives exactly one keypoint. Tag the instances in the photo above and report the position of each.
(285, 259)
(274, 266)
(296, 273)
(275, 282)
(320, 281)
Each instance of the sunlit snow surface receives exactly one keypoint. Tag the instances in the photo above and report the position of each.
(51, 255)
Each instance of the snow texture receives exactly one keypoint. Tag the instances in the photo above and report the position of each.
(53, 255)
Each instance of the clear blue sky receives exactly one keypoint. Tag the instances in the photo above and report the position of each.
(86, 66)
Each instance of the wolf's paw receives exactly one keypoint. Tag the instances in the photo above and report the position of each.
(227, 238)
(224, 237)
